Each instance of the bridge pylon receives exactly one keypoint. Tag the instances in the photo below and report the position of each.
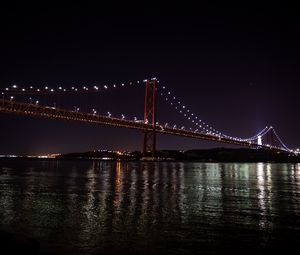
(149, 145)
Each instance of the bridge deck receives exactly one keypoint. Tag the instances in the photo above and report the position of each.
(35, 110)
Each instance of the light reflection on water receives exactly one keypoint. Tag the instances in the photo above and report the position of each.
(76, 207)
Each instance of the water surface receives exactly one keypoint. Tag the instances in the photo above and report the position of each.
(98, 207)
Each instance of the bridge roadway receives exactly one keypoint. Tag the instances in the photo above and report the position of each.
(35, 110)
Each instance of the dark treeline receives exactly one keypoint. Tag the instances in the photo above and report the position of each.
(213, 155)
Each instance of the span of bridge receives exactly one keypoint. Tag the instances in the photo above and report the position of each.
(149, 125)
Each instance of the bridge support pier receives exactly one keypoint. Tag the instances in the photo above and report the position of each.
(149, 145)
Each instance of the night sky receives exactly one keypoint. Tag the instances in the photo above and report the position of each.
(237, 68)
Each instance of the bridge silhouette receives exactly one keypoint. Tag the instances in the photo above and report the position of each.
(18, 100)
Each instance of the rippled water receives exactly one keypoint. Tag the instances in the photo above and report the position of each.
(84, 207)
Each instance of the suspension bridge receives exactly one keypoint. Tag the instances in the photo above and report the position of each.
(26, 101)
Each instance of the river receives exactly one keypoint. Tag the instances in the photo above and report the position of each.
(104, 207)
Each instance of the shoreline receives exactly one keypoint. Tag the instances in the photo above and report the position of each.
(216, 155)
(148, 161)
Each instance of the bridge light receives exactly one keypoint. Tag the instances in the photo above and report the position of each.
(14, 86)
(123, 84)
(105, 86)
(46, 87)
(259, 141)
(60, 88)
(36, 102)
(114, 86)
(11, 98)
(6, 88)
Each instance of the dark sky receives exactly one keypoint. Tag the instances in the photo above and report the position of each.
(237, 68)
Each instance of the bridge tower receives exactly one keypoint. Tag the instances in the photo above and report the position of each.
(149, 146)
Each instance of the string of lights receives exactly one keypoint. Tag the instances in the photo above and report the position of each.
(194, 119)
(182, 109)
(279, 139)
(15, 89)
(255, 137)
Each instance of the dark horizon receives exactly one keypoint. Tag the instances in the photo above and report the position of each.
(237, 68)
